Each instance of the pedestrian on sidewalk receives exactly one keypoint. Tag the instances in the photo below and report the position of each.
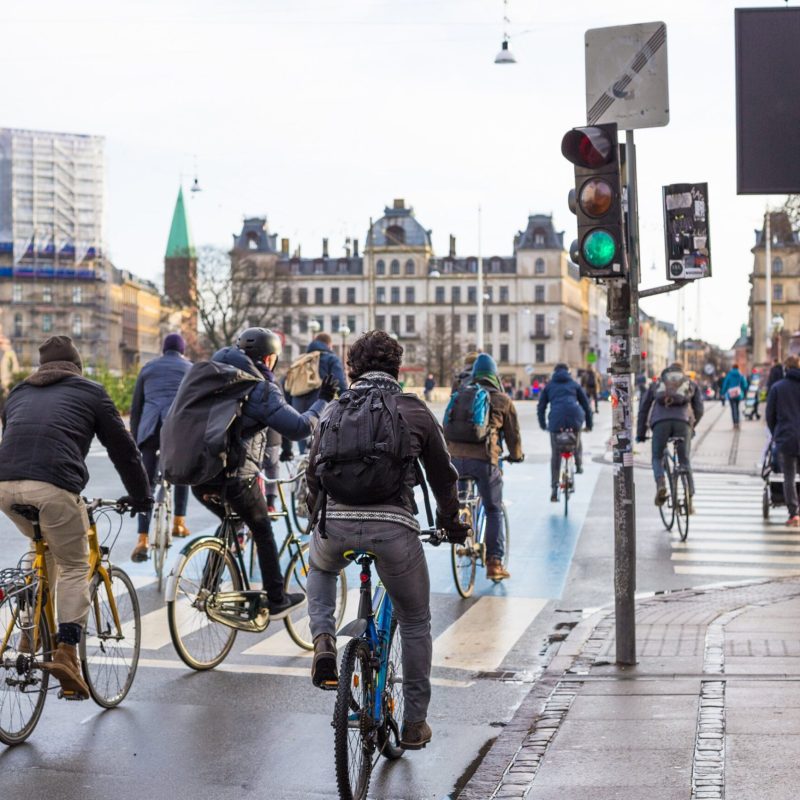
(589, 384)
(672, 406)
(775, 374)
(783, 421)
(734, 388)
(430, 385)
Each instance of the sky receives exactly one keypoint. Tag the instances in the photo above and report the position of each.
(318, 113)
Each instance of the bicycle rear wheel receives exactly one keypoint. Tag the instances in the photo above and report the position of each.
(392, 701)
(207, 568)
(299, 498)
(681, 491)
(464, 558)
(23, 682)
(297, 622)
(667, 509)
(566, 482)
(110, 654)
(353, 742)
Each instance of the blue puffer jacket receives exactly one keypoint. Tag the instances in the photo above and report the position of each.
(783, 413)
(569, 406)
(266, 407)
(329, 364)
(735, 378)
(154, 392)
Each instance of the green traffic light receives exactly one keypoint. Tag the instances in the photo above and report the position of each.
(599, 248)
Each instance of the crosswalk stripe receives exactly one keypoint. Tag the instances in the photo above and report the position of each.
(743, 572)
(734, 546)
(480, 638)
(735, 558)
(752, 536)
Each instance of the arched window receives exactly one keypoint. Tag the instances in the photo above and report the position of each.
(380, 267)
(395, 235)
(538, 267)
(410, 267)
(777, 266)
(395, 267)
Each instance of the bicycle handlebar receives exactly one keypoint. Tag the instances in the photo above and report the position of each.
(434, 536)
(98, 502)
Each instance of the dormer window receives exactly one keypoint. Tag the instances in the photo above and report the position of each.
(539, 237)
(395, 235)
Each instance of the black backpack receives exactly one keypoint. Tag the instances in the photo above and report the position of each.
(200, 436)
(468, 414)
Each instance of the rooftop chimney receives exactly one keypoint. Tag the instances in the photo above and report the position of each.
(399, 202)
(355, 248)
(324, 248)
(285, 247)
(452, 246)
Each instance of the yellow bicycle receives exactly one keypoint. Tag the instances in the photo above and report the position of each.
(109, 649)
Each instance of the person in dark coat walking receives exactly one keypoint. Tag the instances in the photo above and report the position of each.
(776, 374)
(153, 394)
(429, 386)
(783, 421)
(569, 409)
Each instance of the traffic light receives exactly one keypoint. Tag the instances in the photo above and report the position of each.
(597, 200)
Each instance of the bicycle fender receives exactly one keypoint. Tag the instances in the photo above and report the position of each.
(197, 539)
(355, 628)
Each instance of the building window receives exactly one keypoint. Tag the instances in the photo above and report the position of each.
(47, 323)
(777, 291)
(439, 294)
(380, 294)
(488, 293)
(351, 322)
(455, 295)
(777, 266)
(335, 295)
(504, 354)
(504, 294)
(411, 322)
(288, 353)
(538, 267)
(380, 267)
(539, 357)
(538, 237)
(17, 324)
(334, 322)
(351, 294)
(380, 322)
(319, 296)
(410, 354)
(440, 323)
(394, 268)
(395, 294)
(286, 296)
(456, 323)
(495, 265)
(77, 295)
(472, 295)
(302, 297)
(538, 325)
(538, 293)
(302, 322)
(410, 267)
(287, 324)
(488, 323)
(16, 293)
(77, 324)
(504, 323)
(47, 294)
(472, 323)
(395, 323)
(410, 295)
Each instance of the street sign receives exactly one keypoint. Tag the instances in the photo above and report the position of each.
(709, 369)
(686, 231)
(626, 76)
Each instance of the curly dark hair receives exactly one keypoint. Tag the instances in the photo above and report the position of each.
(374, 351)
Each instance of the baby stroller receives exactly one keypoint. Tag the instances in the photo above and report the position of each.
(751, 401)
(773, 482)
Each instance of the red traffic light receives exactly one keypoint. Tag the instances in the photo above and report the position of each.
(588, 147)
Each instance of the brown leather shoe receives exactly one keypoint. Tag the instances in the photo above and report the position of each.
(179, 528)
(415, 735)
(67, 671)
(324, 674)
(141, 551)
(495, 571)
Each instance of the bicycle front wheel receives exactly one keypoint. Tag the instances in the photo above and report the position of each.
(464, 559)
(667, 509)
(110, 651)
(353, 722)
(681, 490)
(297, 622)
(206, 569)
(161, 523)
(23, 682)
(389, 731)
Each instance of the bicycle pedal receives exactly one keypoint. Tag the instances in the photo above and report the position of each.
(62, 695)
(329, 686)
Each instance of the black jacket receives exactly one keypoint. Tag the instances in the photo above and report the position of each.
(49, 422)
(783, 413)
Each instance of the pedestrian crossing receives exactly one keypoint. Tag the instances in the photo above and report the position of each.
(728, 536)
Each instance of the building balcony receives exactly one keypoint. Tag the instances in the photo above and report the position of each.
(538, 336)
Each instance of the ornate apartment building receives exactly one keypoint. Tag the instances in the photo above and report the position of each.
(537, 310)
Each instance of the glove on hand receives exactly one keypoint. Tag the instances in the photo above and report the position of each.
(516, 460)
(328, 388)
(457, 531)
(137, 505)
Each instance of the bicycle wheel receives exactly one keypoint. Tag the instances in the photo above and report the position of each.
(110, 655)
(297, 622)
(161, 523)
(23, 682)
(392, 701)
(765, 503)
(667, 508)
(680, 486)
(299, 498)
(353, 743)
(566, 482)
(207, 568)
(464, 559)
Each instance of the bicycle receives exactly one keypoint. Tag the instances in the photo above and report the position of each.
(567, 442)
(109, 649)
(466, 557)
(161, 539)
(676, 508)
(209, 595)
(369, 693)
(299, 495)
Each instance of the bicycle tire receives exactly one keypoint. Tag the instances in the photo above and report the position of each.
(464, 559)
(564, 483)
(297, 622)
(298, 500)
(682, 504)
(20, 710)
(109, 663)
(200, 642)
(392, 701)
(765, 503)
(352, 722)
(161, 522)
(667, 508)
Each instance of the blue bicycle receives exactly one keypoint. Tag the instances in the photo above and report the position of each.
(369, 697)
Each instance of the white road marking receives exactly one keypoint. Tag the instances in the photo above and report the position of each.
(764, 547)
(736, 558)
(744, 572)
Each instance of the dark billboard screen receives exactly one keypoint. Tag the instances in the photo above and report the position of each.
(768, 100)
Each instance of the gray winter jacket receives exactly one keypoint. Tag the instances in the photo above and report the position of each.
(653, 411)
(154, 392)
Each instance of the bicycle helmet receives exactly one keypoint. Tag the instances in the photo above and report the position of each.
(258, 343)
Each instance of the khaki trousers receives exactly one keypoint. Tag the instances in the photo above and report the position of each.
(65, 524)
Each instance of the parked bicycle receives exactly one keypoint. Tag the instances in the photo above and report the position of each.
(109, 649)
(210, 598)
(467, 557)
(676, 508)
(161, 538)
(567, 442)
(368, 712)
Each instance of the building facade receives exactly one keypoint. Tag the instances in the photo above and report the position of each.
(537, 310)
(658, 343)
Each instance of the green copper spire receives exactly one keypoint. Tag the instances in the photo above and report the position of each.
(180, 243)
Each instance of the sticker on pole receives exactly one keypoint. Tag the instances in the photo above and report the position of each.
(686, 231)
(626, 76)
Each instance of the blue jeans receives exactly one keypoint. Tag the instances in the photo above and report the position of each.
(735, 408)
(149, 451)
(662, 432)
(489, 480)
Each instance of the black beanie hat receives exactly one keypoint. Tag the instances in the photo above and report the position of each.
(59, 348)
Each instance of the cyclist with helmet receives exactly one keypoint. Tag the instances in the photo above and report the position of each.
(256, 352)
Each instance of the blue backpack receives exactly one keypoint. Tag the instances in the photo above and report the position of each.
(466, 418)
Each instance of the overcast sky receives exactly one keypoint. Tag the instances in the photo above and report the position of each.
(318, 113)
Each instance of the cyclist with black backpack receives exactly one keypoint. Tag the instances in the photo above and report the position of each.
(478, 418)
(363, 466)
(672, 405)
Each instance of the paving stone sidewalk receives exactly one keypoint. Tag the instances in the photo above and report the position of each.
(712, 709)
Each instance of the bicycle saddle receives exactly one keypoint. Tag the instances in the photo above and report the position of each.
(354, 555)
(30, 513)
(676, 438)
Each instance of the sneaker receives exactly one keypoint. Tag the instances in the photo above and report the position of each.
(554, 496)
(495, 571)
(793, 522)
(661, 492)
(415, 735)
(291, 601)
(324, 674)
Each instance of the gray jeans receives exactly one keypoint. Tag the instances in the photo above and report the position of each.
(400, 563)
